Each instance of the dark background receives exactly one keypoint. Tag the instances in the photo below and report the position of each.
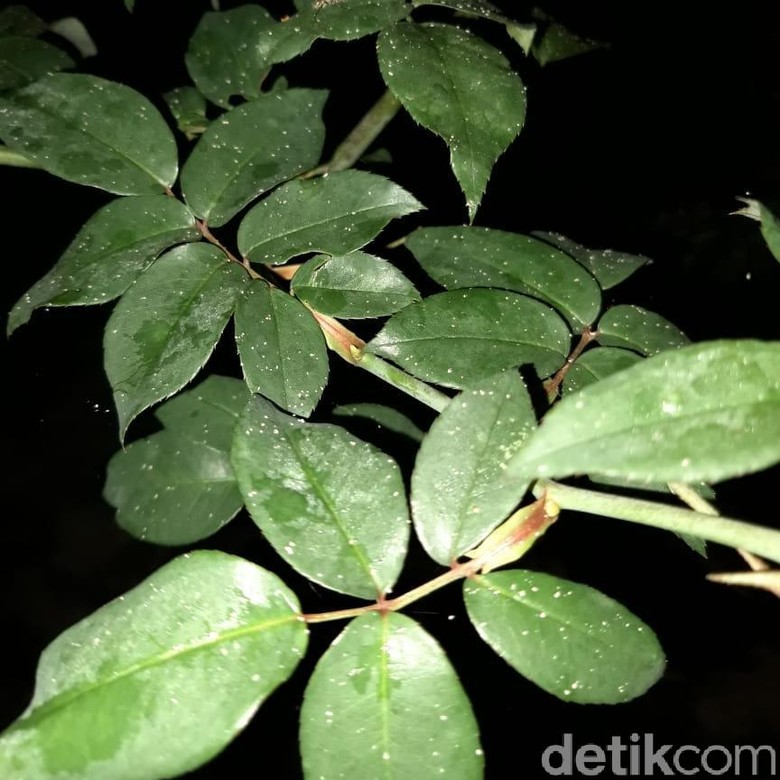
(641, 147)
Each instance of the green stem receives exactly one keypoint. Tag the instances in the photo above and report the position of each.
(349, 151)
(10, 157)
(723, 530)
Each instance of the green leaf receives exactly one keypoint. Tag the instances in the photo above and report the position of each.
(470, 7)
(459, 87)
(609, 266)
(479, 257)
(461, 337)
(116, 244)
(569, 639)
(385, 417)
(208, 413)
(188, 107)
(353, 286)
(701, 413)
(331, 505)
(335, 214)
(91, 131)
(221, 54)
(346, 20)
(457, 497)
(639, 329)
(181, 661)
(523, 35)
(166, 325)
(598, 363)
(21, 20)
(282, 349)
(23, 60)
(558, 43)
(76, 34)
(251, 149)
(770, 224)
(130, 5)
(384, 702)
(169, 489)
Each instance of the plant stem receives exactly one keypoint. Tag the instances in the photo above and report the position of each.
(212, 239)
(364, 133)
(723, 530)
(553, 385)
(10, 157)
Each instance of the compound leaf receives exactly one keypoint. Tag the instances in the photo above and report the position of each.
(701, 413)
(251, 149)
(569, 639)
(639, 329)
(331, 505)
(459, 87)
(353, 286)
(335, 214)
(458, 338)
(166, 325)
(457, 498)
(282, 349)
(113, 247)
(384, 701)
(182, 660)
(91, 131)
(479, 257)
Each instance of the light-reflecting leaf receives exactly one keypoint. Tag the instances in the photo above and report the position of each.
(461, 337)
(252, 148)
(556, 43)
(770, 224)
(188, 107)
(598, 363)
(459, 87)
(113, 247)
(700, 413)
(335, 214)
(457, 498)
(385, 417)
(331, 505)
(20, 20)
(166, 325)
(609, 266)
(636, 328)
(523, 35)
(91, 131)
(479, 257)
(282, 349)
(23, 60)
(353, 286)
(569, 639)
(169, 489)
(181, 661)
(346, 20)
(208, 413)
(221, 54)
(384, 702)
(74, 32)
(471, 7)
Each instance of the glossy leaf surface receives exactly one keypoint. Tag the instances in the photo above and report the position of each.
(20, 20)
(169, 489)
(181, 661)
(461, 337)
(479, 257)
(353, 286)
(558, 43)
(165, 327)
(569, 639)
(221, 54)
(598, 363)
(91, 131)
(251, 149)
(335, 214)
(770, 224)
(188, 107)
(347, 20)
(636, 328)
(459, 87)
(471, 7)
(113, 247)
(609, 266)
(385, 417)
(282, 349)
(701, 413)
(331, 505)
(457, 498)
(23, 60)
(384, 702)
